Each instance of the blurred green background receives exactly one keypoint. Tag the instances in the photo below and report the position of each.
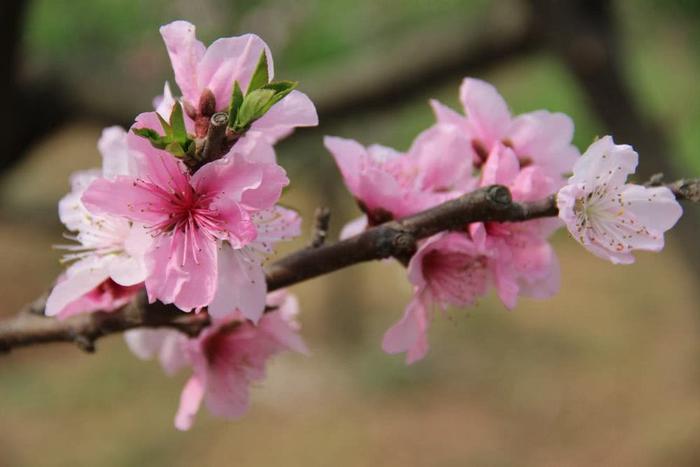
(606, 373)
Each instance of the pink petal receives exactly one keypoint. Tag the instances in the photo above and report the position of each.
(354, 227)
(543, 285)
(254, 148)
(349, 156)
(506, 283)
(486, 110)
(274, 225)
(295, 110)
(190, 400)
(409, 334)
(83, 277)
(501, 167)
(116, 157)
(185, 54)
(241, 285)
(70, 209)
(145, 343)
(182, 273)
(123, 197)
(532, 184)
(126, 270)
(605, 161)
(268, 193)
(655, 208)
(236, 221)
(227, 391)
(164, 104)
(444, 157)
(231, 59)
(545, 138)
(228, 178)
(275, 324)
(446, 115)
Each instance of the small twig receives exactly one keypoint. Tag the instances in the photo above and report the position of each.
(683, 190)
(322, 219)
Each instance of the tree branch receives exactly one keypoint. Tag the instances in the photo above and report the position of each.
(397, 239)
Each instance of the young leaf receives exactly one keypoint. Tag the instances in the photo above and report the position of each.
(282, 89)
(177, 123)
(167, 129)
(175, 149)
(151, 135)
(235, 105)
(260, 76)
(254, 106)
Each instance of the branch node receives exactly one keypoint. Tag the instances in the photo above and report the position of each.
(499, 194)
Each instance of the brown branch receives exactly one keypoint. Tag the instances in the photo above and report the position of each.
(398, 239)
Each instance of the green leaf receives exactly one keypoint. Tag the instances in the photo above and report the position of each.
(177, 123)
(153, 136)
(175, 149)
(254, 106)
(260, 77)
(167, 129)
(235, 105)
(281, 88)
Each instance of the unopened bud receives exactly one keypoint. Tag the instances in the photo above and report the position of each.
(190, 110)
(207, 103)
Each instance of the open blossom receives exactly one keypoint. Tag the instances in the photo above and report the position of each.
(608, 216)
(201, 223)
(109, 254)
(388, 184)
(205, 76)
(448, 269)
(539, 138)
(226, 358)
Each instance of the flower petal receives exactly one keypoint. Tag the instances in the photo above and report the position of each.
(295, 110)
(185, 53)
(486, 110)
(83, 277)
(190, 400)
(409, 334)
(241, 285)
(231, 59)
(182, 270)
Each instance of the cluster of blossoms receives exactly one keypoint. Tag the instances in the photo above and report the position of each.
(531, 154)
(189, 227)
(191, 234)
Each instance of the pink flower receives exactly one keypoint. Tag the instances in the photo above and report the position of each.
(226, 358)
(538, 138)
(609, 217)
(109, 249)
(524, 262)
(388, 184)
(455, 269)
(107, 296)
(200, 223)
(204, 73)
(448, 269)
